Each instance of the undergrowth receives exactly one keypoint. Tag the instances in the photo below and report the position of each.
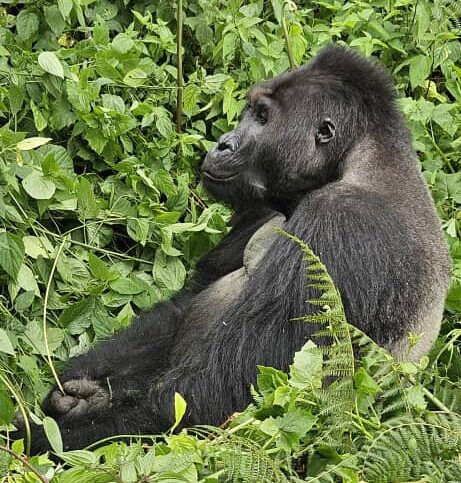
(105, 115)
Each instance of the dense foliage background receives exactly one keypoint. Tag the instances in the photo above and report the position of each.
(102, 214)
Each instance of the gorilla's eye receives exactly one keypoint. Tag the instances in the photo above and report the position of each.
(260, 113)
(325, 132)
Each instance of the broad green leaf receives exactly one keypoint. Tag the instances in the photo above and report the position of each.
(98, 268)
(127, 286)
(37, 246)
(53, 434)
(32, 143)
(229, 46)
(169, 272)
(138, 229)
(26, 280)
(415, 397)
(65, 7)
(277, 7)
(5, 343)
(180, 407)
(164, 182)
(51, 64)
(420, 68)
(38, 187)
(39, 119)
(54, 19)
(86, 201)
(34, 337)
(11, 254)
(24, 301)
(96, 140)
(306, 370)
(26, 24)
(122, 43)
(135, 77)
(289, 428)
(365, 383)
(6, 407)
(80, 458)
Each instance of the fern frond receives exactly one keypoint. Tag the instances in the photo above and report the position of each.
(240, 459)
(410, 450)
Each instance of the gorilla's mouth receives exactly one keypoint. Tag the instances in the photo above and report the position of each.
(219, 179)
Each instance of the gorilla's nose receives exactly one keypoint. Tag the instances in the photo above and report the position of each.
(227, 142)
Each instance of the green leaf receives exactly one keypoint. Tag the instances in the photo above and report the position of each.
(81, 458)
(32, 143)
(54, 19)
(415, 397)
(168, 272)
(135, 77)
(24, 301)
(26, 280)
(306, 371)
(79, 316)
(5, 343)
(180, 407)
(65, 7)
(38, 187)
(86, 200)
(365, 383)
(229, 46)
(11, 254)
(96, 140)
(277, 6)
(138, 229)
(51, 64)
(122, 43)
(98, 268)
(34, 337)
(53, 434)
(37, 246)
(289, 428)
(164, 182)
(420, 69)
(39, 119)
(127, 286)
(6, 407)
(26, 24)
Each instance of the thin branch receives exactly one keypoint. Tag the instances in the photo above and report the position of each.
(45, 307)
(179, 78)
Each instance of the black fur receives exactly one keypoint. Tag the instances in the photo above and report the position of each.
(325, 146)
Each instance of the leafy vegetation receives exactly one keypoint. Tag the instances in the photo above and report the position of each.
(102, 216)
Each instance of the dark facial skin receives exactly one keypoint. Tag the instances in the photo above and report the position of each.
(250, 165)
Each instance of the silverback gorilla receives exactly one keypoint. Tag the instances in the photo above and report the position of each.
(323, 152)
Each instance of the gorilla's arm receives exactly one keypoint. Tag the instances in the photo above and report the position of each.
(119, 370)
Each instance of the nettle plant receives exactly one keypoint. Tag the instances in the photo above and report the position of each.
(107, 109)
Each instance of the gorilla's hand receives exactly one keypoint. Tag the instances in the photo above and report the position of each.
(82, 397)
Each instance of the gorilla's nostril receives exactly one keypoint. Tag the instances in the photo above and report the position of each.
(226, 143)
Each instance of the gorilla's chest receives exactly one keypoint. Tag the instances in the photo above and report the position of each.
(217, 297)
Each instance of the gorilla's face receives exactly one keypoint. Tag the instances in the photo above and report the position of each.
(281, 148)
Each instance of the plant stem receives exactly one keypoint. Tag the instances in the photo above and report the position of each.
(287, 39)
(45, 307)
(24, 461)
(179, 78)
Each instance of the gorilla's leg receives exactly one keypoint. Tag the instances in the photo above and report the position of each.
(118, 370)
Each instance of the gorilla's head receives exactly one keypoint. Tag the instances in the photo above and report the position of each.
(298, 128)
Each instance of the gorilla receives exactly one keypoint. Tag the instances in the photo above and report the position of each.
(322, 152)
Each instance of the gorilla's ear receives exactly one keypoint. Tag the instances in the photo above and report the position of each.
(325, 132)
